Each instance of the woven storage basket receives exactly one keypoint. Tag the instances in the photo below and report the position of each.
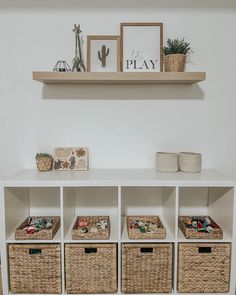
(101, 234)
(44, 164)
(160, 232)
(204, 268)
(44, 234)
(192, 233)
(147, 268)
(167, 162)
(174, 62)
(190, 162)
(35, 268)
(91, 268)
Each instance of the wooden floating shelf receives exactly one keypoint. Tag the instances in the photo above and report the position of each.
(119, 77)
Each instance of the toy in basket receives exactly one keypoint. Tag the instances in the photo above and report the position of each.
(91, 228)
(38, 228)
(200, 227)
(145, 227)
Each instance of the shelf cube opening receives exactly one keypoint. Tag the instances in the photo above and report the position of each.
(22, 202)
(160, 201)
(90, 201)
(216, 202)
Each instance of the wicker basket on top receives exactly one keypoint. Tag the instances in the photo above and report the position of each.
(35, 268)
(44, 162)
(204, 267)
(147, 268)
(192, 233)
(152, 227)
(91, 268)
(43, 234)
(91, 228)
(174, 62)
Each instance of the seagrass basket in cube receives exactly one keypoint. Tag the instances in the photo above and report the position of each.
(43, 234)
(92, 224)
(135, 233)
(204, 267)
(91, 268)
(35, 268)
(192, 233)
(147, 268)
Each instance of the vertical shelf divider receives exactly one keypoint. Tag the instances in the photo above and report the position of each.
(175, 270)
(3, 243)
(233, 251)
(119, 238)
(62, 240)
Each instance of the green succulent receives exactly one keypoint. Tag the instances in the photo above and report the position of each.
(43, 155)
(177, 46)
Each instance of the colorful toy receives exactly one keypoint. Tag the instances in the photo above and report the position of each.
(201, 224)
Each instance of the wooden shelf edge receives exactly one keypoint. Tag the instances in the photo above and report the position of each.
(119, 77)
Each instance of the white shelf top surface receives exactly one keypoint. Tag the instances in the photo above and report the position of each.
(118, 177)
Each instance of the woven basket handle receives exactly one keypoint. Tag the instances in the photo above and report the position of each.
(146, 250)
(35, 251)
(90, 250)
(204, 250)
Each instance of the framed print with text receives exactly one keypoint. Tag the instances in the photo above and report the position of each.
(141, 47)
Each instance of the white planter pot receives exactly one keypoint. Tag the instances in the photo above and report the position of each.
(167, 162)
(190, 162)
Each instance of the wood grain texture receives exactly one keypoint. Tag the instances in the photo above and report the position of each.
(119, 77)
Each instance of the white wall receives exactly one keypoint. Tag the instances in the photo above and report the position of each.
(122, 126)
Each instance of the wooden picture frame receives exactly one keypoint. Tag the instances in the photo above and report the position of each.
(138, 68)
(91, 57)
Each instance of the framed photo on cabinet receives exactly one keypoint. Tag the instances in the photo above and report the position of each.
(103, 53)
(141, 47)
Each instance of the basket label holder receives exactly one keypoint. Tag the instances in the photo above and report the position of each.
(33, 251)
(204, 250)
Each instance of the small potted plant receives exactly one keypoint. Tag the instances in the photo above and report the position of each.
(44, 162)
(175, 53)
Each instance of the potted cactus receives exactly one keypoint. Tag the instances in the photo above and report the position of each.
(175, 53)
(44, 162)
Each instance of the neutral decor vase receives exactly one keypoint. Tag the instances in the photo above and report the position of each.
(167, 162)
(190, 162)
(175, 62)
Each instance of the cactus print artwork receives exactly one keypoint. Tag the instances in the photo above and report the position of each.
(103, 53)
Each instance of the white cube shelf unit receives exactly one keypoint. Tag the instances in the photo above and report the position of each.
(117, 193)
